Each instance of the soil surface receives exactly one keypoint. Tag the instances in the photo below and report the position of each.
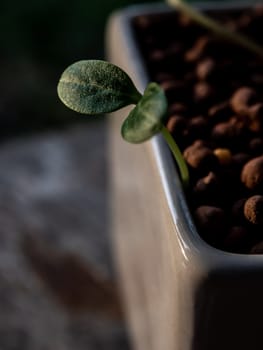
(215, 94)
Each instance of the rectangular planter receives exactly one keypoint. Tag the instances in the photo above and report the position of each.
(180, 293)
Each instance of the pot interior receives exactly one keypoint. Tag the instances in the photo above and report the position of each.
(215, 94)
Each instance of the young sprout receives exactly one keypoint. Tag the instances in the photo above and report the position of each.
(95, 87)
(216, 28)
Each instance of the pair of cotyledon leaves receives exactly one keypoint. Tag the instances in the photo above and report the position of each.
(95, 87)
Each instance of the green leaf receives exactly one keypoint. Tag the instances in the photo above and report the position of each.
(145, 120)
(94, 87)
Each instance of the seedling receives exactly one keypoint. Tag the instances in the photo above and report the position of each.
(94, 87)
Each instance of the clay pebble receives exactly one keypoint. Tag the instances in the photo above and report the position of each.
(253, 210)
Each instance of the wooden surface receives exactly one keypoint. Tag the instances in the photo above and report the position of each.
(57, 287)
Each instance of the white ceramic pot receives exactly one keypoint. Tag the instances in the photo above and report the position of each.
(180, 293)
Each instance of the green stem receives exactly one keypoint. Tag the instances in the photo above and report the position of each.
(177, 155)
(218, 29)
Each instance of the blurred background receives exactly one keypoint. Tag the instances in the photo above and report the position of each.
(39, 39)
(57, 281)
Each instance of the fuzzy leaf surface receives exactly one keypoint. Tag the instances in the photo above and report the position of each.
(146, 119)
(95, 87)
